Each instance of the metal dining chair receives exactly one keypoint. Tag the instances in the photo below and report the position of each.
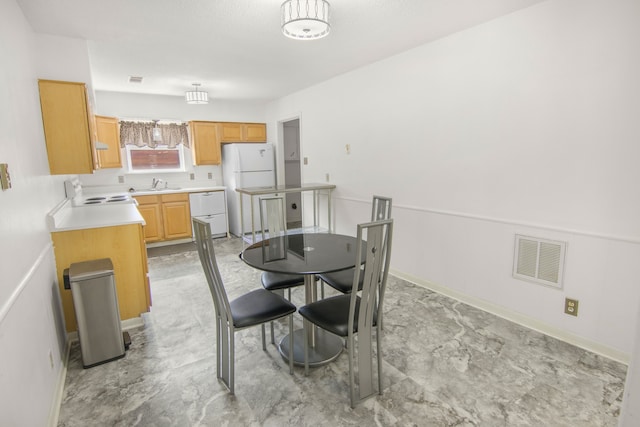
(342, 280)
(357, 313)
(273, 222)
(254, 308)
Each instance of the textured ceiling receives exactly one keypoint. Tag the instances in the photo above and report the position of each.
(235, 48)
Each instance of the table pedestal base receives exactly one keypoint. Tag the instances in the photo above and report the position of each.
(328, 347)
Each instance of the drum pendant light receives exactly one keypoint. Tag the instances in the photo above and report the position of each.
(196, 96)
(305, 19)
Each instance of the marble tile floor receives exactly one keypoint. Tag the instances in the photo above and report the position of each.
(445, 364)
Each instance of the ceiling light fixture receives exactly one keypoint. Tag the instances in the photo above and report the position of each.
(305, 19)
(196, 96)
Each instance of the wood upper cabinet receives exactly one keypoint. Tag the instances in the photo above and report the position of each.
(204, 143)
(242, 132)
(254, 132)
(68, 127)
(108, 132)
(167, 216)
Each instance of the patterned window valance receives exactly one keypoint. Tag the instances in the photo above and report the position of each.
(141, 134)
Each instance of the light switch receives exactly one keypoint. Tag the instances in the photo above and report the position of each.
(5, 178)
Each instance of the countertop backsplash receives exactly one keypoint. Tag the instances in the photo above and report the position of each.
(116, 180)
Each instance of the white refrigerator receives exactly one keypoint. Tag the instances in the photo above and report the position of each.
(246, 165)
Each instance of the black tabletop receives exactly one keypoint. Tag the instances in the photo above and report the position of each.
(305, 253)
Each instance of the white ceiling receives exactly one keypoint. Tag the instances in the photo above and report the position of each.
(235, 48)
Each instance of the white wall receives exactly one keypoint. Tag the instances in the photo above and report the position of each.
(526, 124)
(31, 326)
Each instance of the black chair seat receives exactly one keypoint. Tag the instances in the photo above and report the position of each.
(342, 281)
(332, 314)
(258, 307)
(276, 281)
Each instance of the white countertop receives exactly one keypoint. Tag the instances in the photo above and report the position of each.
(66, 217)
(177, 190)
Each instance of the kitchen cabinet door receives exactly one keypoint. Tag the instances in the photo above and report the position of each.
(150, 209)
(254, 132)
(205, 145)
(67, 122)
(230, 132)
(176, 216)
(108, 132)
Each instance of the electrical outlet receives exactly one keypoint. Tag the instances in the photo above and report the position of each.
(192, 176)
(210, 175)
(305, 161)
(571, 306)
(347, 148)
(121, 179)
(327, 177)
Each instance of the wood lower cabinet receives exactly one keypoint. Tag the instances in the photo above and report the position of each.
(68, 127)
(167, 216)
(108, 132)
(124, 245)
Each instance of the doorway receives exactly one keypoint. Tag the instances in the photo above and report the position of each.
(292, 171)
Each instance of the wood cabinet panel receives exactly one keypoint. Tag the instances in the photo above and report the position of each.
(167, 216)
(242, 132)
(67, 123)
(108, 132)
(254, 132)
(230, 132)
(205, 145)
(124, 246)
(152, 215)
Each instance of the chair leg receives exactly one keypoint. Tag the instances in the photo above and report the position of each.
(351, 379)
(379, 357)
(232, 363)
(291, 344)
(306, 350)
(264, 340)
(273, 339)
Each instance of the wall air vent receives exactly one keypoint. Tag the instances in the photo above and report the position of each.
(539, 260)
(135, 79)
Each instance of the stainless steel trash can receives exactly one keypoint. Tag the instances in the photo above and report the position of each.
(95, 301)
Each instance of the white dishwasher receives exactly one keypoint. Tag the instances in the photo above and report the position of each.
(211, 207)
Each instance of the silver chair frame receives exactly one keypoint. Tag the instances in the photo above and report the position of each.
(378, 236)
(225, 329)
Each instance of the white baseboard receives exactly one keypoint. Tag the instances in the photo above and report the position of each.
(519, 318)
(54, 414)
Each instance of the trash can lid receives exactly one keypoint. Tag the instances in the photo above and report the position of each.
(90, 269)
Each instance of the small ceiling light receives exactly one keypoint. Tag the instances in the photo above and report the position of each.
(196, 96)
(305, 19)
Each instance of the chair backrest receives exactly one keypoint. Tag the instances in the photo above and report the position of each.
(204, 243)
(273, 216)
(380, 208)
(375, 237)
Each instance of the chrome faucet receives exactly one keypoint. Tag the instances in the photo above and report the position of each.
(155, 182)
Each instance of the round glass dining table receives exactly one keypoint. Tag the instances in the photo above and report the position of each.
(308, 254)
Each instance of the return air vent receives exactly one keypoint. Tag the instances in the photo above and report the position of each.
(135, 79)
(539, 260)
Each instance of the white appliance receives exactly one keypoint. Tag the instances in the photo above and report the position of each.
(210, 207)
(73, 190)
(246, 166)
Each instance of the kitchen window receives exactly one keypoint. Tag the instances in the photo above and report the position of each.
(153, 160)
